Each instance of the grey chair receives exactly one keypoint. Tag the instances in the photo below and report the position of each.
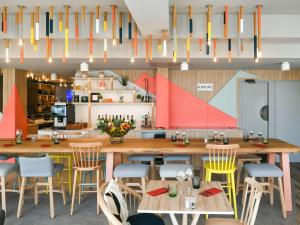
(5, 170)
(40, 167)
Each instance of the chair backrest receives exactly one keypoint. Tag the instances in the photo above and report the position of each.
(70, 135)
(222, 157)
(132, 197)
(253, 197)
(36, 166)
(86, 156)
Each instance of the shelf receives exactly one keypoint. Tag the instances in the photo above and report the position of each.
(115, 103)
(92, 78)
(44, 95)
(107, 90)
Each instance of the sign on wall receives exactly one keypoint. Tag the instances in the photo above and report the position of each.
(205, 87)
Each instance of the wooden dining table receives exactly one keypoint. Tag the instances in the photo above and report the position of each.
(114, 152)
(217, 204)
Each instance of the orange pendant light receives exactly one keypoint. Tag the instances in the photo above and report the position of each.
(21, 8)
(174, 34)
(97, 19)
(200, 42)
(76, 18)
(135, 37)
(226, 22)
(83, 14)
(150, 48)
(147, 50)
(113, 18)
(4, 14)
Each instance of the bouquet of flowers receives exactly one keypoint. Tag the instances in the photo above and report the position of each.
(116, 127)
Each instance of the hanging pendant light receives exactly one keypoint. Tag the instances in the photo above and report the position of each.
(135, 34)
(129, 27)
(229, 50)
(76, 28)
(91, 38)
(67, 14)
(37, 23)
(97, 19)
(241, 21)
(83, 13)
(255, 37)
(226, 22)
(209, 25)
(105, 50)
(150, 48)
(215, 50)
(113, 18)
(188, 50)
(51, 15)
(174, 34)
(120, 28)
(132, 51)
(164, 43)
(4, 19)
(20, 25)
(50, 51)
(147, 50)
(32, 28)
(190, 21)
(259, 51)
(200, 42)
(47, 35)
(105, 22)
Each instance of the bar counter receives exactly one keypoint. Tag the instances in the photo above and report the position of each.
(114, 152)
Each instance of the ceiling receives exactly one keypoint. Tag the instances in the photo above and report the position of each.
(270, 6)
(69, 69)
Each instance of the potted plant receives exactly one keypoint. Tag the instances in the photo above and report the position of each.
(100, 97)
(123, 80)
(139, 97)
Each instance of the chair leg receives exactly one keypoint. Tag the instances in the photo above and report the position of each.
(73, 192)
(36, 193)
(244, 189)
(234, 196)
(63, 192)
(238, 179)
(281, 197)
(21, 197)
(152, 165)
(143, 185)
(271, 188)
(229, 188)
(70, 174)
(79, 187)
(50, 182)
(3, 194)
(97, 188)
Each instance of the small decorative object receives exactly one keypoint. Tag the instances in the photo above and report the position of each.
(260, 134)
(100, 97)
(196, 182)
(116, 128)
(265, 140)
(173, 138)
(121, 99)
(123, 80)
(33, 139)
(186, 141)
(246, 137)
(102, 85)
(55, 138)
(95, 97)
(215, 136)
(225, 140)
(190, 200)
(251, 135)
(19, 136)
(139, 97)
(146, 123)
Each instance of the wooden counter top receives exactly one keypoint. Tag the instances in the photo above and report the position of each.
(148, 146)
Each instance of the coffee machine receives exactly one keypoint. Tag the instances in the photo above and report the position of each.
(59, 112)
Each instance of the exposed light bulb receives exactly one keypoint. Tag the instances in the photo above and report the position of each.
(37, 31)
(242, 26)
(209, 42)
(256, 60)
(174, 60)
(215, 59)
(164, 47)
(259, 54)
(97, 26)
(20, 42)
(50, 59)
(60, 84)
(7, 55)
(114, 42)
(67, 55)
(105, 44)
(132, 59)
(91, 59)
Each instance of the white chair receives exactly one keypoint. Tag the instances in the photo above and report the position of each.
(250, 206)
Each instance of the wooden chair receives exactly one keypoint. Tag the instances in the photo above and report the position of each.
(222, 161)
(67, 158)
(133, 200)
(40, 167)
(86, 158)
(250, 206)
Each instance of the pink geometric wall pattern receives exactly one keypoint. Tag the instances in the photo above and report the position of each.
(162, 102)
(13, 117)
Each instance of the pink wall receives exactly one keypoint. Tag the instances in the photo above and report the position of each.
(177, 108)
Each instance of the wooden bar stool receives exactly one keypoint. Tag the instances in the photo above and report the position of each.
(241, 159)
(266, 170)
(171, 170)
(86, 158)
(222, 161)
(139, 158)
(135, 171)
(40, 167)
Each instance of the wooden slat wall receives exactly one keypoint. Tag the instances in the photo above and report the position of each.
(276, 74)
(188, 80)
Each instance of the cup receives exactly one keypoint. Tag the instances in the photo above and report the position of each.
(246, 137)
(173, 138)
(173, 190)
(265, 140)
(196, 182)
(225, 140)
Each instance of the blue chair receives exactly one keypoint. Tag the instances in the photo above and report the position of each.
(127, 170)
(171, 170)
(266, 170)
(5, 170)
(40, 167)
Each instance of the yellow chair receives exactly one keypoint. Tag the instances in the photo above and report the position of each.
(62, 158)
(222, 161)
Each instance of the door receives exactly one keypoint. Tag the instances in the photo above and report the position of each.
(254, 107)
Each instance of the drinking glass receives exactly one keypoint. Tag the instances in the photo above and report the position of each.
(172, 190)
(196, 182)
(180, 176)
(251, 135)
(189, 173)
(225, 140)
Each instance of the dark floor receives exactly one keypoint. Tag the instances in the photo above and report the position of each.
(85, 214)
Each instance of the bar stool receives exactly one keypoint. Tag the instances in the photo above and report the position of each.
(40, 167)
(61, 158)
(241, 160)
(5, 170)
(222, 161)
(127, 170)
(144, 158)
(171, 170)
(86, 158)
(265, 170)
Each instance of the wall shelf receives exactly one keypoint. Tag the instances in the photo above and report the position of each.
(115, 103)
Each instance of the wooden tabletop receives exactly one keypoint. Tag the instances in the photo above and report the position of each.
(145, 146)
(216, 204)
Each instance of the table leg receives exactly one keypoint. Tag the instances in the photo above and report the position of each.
(285, 166)
(195, 219)
(173, 218)
(109, 166)
(184, 219)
